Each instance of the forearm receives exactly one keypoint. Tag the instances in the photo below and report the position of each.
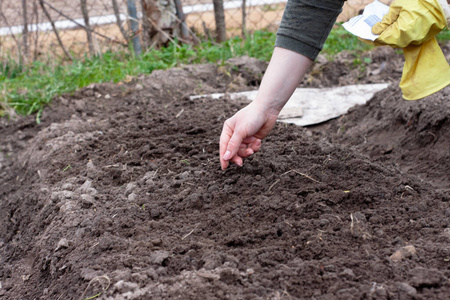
(285, 71)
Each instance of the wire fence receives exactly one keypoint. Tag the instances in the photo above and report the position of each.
(41, 29)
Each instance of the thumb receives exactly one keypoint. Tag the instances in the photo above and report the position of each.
(387, 20)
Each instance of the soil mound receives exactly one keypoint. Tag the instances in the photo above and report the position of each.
(413, 134)
(118, 193)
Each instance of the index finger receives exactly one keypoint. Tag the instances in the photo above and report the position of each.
(225, 137)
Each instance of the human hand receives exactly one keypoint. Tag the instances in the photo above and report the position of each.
(412, 22)
(242, 133)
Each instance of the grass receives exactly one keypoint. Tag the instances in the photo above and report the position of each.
(27, 89)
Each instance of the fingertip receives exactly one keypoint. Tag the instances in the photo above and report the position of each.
(227, 155)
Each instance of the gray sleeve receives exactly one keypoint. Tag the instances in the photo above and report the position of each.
(306, 25)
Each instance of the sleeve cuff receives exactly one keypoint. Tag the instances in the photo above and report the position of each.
(446, 9)
(292, 44)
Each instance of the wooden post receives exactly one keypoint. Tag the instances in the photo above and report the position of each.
(244, 18)
(219, 15)
(25, 30)
(180, 15)
(87, 27)
(132, 12)
(36, 40)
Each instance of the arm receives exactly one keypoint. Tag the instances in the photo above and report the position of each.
(302, 33)
(242, 133)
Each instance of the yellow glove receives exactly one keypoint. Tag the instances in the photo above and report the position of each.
(412, 25)
(412, 22)
(425, 72)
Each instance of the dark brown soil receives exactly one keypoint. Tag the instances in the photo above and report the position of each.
(119, 191)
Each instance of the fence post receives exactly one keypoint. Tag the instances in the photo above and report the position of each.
(87, 26)
(219, 15)
(244, 18)
(25, 30)
(180, 15)
(132, 12)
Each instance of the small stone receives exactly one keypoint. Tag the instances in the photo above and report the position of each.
(87, 199)
(156, 242)
(138, 87)
(132, 197)
(90, 165)
(158, 257)
(124, 287)
(63, 243)
(407, 289)
(348, 274)
(67, 194)
(67, 187)
(130, 188)
(107, 96)
(402, 253)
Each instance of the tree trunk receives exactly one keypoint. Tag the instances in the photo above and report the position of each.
(219, 15)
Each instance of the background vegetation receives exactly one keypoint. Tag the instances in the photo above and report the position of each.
(27, 88)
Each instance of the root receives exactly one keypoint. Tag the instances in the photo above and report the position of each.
(98, 278)
(302, 174)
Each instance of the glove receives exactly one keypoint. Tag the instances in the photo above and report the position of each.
(412, 22)
(426, 70)
(412, 25)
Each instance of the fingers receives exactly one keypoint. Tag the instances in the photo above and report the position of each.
(387, 21)
(233, 145)
(225, 137)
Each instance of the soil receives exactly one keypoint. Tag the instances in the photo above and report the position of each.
(118, 194)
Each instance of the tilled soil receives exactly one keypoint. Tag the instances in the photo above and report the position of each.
(118, 194)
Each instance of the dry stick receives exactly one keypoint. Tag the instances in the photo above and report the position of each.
(302, 174)
(12, 34)
(81, 25)
(273, 184)
(118, 21)
(41, 3)
(190, 232)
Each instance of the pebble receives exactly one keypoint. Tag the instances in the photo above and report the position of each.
(159, 256)
(132, 197)
(130, 188)
(402, 253)
(348, 274)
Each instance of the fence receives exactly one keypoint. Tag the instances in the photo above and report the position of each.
(38, 29)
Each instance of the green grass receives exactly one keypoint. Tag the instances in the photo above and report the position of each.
(27, 89)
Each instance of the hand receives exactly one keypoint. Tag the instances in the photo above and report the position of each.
(411, 22)
(242, 133)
